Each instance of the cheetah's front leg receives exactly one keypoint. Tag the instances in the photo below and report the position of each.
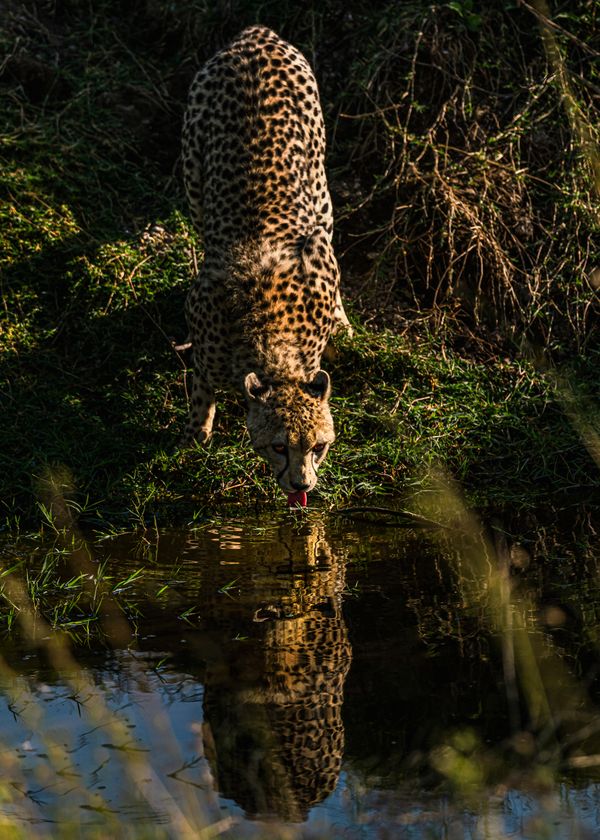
(342, 324)
(202, 410)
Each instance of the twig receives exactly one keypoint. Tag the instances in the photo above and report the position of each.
(551, 25)
(412, 519)
(180, 348)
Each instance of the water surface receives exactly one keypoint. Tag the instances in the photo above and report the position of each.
(311, 676)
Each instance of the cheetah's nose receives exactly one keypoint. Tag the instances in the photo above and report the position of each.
(299, 487)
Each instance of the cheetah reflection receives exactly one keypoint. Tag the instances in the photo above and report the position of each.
(273, 696)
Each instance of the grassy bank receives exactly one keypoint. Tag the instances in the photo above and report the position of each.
(462, 165)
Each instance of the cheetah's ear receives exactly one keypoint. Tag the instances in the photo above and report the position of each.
(255, 389)
(317, 251)
(320, 385)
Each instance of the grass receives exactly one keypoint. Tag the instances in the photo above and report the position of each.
(454, 353)
(65, 591)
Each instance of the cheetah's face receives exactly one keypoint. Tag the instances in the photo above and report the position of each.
(290, 426)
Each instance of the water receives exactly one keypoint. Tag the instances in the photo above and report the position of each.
(310, 676)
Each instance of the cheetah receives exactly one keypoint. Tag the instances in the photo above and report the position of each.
(267, 296)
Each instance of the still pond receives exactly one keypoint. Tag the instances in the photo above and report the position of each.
(305, 675)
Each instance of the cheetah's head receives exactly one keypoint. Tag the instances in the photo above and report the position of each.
(290, 426)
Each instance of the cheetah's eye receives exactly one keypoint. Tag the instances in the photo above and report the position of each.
(280, 448)
(319, 448)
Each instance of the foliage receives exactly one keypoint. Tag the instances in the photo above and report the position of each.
(466, 222)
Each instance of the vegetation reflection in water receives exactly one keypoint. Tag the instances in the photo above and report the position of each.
(307, 677)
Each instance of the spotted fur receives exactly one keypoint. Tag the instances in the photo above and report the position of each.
(266, 299)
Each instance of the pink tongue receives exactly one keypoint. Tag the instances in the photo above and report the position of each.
(298, 498)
